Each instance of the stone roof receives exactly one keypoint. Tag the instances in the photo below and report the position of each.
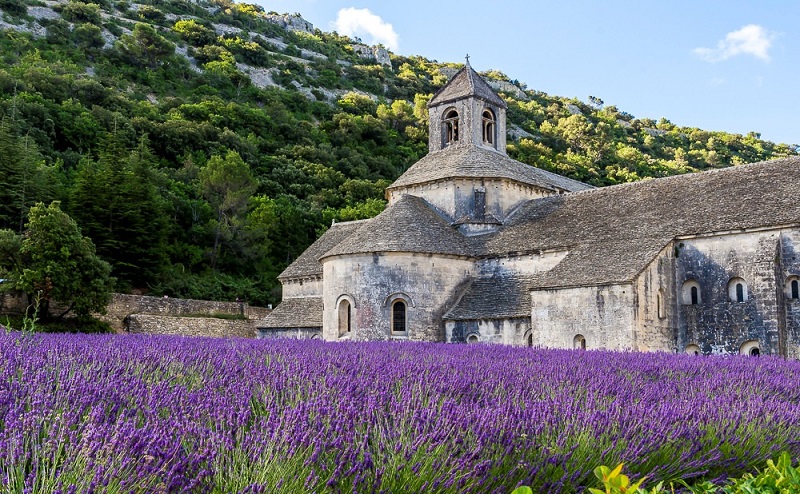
(295, 313)
(308, 263)
(470, 161)
(408, 225)
(464, 84)
(498, 297)
(612, 233)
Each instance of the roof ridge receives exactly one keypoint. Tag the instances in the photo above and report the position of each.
(682, 176)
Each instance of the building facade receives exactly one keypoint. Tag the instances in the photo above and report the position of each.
(477, 247)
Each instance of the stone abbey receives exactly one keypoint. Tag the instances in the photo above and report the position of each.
(477, 247)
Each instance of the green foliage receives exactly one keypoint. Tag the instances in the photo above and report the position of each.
(60, 265)
(615, 482)
(76, 11)
(64, 99)
(144, 47)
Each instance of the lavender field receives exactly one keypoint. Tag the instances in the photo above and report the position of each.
(160, 414)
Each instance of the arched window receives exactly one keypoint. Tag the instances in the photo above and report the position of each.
(399, 317)
(473, 338)
(450, 127)
(750, 347)
(793, 288)
(489, 128)
(579, 342)
(345, 317)
(661, 305)
(737, 290)
(693, 349)
(690, 293)
(529, 340)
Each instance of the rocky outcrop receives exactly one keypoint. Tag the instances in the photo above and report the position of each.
(291, 22)
(507, 87)
(377, 53)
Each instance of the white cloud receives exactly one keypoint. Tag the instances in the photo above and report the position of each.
(750, 40)
(359, 22)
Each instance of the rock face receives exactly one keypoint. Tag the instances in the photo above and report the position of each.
(291, 22)
(507, 87)
(376, 53)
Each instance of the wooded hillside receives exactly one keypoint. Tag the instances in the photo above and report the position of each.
(203, 146)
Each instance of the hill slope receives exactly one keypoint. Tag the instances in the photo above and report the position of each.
(204, 145)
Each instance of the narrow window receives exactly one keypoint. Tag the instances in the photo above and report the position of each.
(690, 293)
(489, 127)
(480, 203)
(450, 130)
(737, 290)
(795, 291)
(399, 317)
(345, 317)
(661, 305)
(530, 339)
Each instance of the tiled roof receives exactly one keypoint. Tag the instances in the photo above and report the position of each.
(612, 233)
(408, 225)
(470, 161)
(308, 262)
(498, 297)
(295, 313)
(464, 84)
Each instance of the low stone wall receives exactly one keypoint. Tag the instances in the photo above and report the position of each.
(122, 306)
(190, 326)
(13, 303)
(295, 333)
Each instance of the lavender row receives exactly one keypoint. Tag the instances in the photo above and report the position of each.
(93, 413)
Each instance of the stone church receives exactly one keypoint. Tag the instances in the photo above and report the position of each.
(477, 247)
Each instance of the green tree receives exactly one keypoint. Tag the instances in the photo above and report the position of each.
(145, 47)
(227, 184)
(24, 179)
(116, 201)
(61, 264)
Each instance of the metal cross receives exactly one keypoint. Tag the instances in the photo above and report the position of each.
(467, 57)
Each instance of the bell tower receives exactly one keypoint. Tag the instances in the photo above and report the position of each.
(466, 111)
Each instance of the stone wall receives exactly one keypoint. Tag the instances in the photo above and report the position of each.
(456, 197)
(190, 326)
(603, 315)
(429, 284)
(13, 303)
(512, 331)
(292, 333)
(718, 324)
(122, 306)
(657, 304)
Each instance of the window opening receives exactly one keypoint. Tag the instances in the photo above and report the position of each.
(739, 292)
(345, 317)
(530, 339)
(795, 289)
(472, 338)
(489, 126)
(450, 127)
(399, 317)
(695, 298)
(755, 352)
(579, 342)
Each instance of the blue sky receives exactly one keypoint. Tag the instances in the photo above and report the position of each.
(716, 65)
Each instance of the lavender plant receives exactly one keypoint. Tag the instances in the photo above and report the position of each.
(101, 413)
